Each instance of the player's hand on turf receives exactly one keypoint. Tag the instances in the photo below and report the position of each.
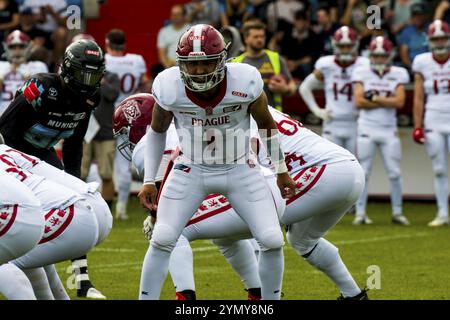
(147, 196)
(287, 185)
(418, 135)
(148, 226)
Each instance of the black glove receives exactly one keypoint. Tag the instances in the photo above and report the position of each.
(370, 94)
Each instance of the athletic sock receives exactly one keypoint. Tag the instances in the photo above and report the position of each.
(181, 266)
(58, 290)
(154, 272)
(39, 281)
(14, 284)
(271, 267)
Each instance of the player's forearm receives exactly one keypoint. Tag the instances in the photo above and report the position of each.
(363, 103)
(154, 150)
(389, 102)
(418, 113)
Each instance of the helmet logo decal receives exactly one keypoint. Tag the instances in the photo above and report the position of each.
(93, 52)
(131, 111)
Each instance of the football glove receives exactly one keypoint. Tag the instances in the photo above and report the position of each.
(419, 136)
(322, 114)
(369, 95)
(148, 228)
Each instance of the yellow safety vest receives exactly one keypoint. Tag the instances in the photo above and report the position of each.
(274, 59)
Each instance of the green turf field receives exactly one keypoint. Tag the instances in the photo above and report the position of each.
(414, 261)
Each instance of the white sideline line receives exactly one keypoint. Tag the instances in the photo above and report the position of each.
(113, 250)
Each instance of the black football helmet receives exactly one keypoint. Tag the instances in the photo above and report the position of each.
(83, 67)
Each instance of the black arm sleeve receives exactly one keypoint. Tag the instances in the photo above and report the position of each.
(72, 150)
(110, 87)
(16, 119)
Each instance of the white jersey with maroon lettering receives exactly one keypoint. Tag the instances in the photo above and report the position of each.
(11, 81)
(172, 144)
(60, 197)
(302, 147)
(384, 86)
(129, 68)
(338, 86)
(216, 131)
(436, 78)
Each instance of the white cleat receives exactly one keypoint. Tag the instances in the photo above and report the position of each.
(400, 219)
(438, 222)
(93, 293)
(359, 220)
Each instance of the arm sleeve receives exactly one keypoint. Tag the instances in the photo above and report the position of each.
(16, 119)
(306, 91)
(72, 150)
(154, 149)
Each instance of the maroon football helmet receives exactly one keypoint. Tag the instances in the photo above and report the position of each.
(130, 121)
(381, 54)
(439, 37)
(343, 38)
(16, 46)
(201, 44)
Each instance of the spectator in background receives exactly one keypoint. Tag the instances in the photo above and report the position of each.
(260, 9)
(9, 18)
(273, 68)
(102, 148)
(413, 38)
(203, 11)
(283, 10)
(398, 14)
(355, 16)
(331, 5)
(168, 36)
(38, 51)
(325, 29)
(51, 16)
(235, 12)
(301, 47)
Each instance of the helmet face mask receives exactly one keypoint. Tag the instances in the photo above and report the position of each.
(345, 45)
(17, 46)
(439, 45)
(214, 71)
(201, 57)
(83, 67)
(381, 54)
(124, 145)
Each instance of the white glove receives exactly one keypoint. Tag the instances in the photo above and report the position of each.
(148, 228)
(322, 114)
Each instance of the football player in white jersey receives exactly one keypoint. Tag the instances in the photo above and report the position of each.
(211, 102)
(132, 72)
(379, 93)
(334, 71)
(313, 162)
(16, 69)
(432, 81)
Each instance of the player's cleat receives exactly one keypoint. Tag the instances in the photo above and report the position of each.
(121, 211)
(360, 296)
(400, 219)
(89, 292)
(254, 294)
(438, 222)
(186, 295)
(359, 220)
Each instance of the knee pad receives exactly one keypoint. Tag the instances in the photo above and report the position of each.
(164, 237)
(271, 239)
(323, 254)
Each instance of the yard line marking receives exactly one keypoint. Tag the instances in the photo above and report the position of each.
(386, 238)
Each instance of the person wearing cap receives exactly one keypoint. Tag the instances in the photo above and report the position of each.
(412, 39)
